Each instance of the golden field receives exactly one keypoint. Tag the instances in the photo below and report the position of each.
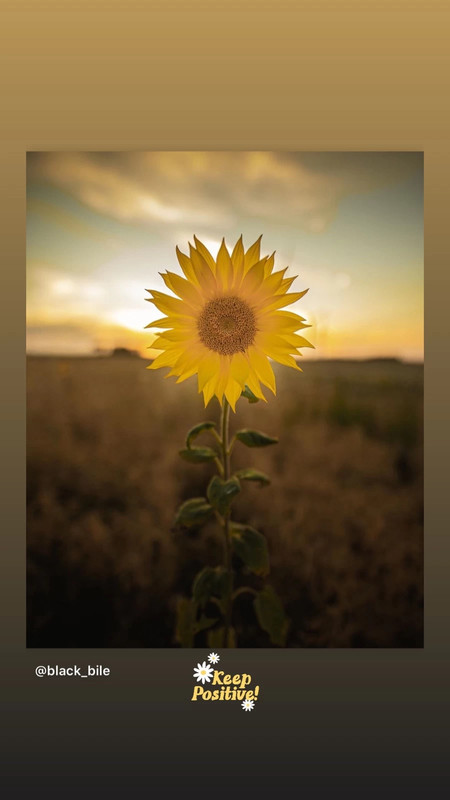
(343, 515)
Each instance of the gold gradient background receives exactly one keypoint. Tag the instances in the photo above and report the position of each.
(241, 76)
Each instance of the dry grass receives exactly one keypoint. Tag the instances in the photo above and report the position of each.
(343, 515)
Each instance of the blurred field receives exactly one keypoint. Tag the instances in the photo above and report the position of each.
(343, 515)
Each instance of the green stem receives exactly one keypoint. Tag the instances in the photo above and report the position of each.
(224, 441)
(226, 520)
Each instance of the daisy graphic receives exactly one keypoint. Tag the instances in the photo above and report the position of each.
(213, 658)
(248, 705)
(203, 672)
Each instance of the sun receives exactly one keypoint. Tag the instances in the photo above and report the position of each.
(226, 320)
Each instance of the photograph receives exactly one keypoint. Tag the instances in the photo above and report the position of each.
(224, 399)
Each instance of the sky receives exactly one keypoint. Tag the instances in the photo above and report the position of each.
(102, 226)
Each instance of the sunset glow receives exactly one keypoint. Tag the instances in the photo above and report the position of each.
(101, 226)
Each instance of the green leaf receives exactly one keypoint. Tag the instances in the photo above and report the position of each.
(194, 432)
(211, 582)
(203, 623)
(215, 637)
(185, 616)
(186, 623)
(254, 438)
(251, 474)
(197, 455)
(249, 395)
(271, 616)
(251, 546)
(193, 512)
(221, 493)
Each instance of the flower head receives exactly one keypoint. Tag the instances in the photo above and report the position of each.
(213, 658)
(203, 672)
(248, 705)
(226, 321)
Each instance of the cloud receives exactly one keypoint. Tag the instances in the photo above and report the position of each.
(69, 223)
(53, 297)
(217, 189)
(107, 186)
(55, 290)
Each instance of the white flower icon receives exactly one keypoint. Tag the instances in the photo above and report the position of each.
(203, 672)
(248, 705)
(213, 658)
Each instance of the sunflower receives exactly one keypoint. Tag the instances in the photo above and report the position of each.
(226, 321)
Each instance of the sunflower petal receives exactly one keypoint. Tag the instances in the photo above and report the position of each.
(264, 371)
(271, 284)
(254, 278)
(269, 265)
(159, 323)
(183, 288)
(282, 300)
(297, 341)
(286, 284)
(209, 390)
(205, 276)
(278, 323)
(172, 321)
(168, 304)
(233, 392)
(254, 385)
(282, 358)
(206, 255)
(224, 270)
(237, 257)
(165, 359)
(187, 363)
(207, 369)
(253, 254)
(188, 373)
(239, 368)
(179, 334)
(285, 342)
(186, 266)
(161, 343)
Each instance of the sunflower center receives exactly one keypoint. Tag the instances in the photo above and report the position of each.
(227, 325)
